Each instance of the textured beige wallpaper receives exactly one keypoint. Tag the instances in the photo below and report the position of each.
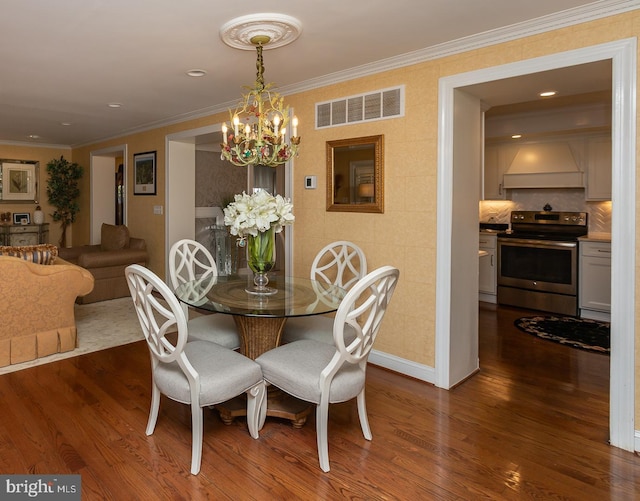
(404, 236)
(217, 181)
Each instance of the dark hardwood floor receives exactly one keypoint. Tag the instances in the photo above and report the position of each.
(532, 424)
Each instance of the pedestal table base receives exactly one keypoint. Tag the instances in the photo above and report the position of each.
(260, 334)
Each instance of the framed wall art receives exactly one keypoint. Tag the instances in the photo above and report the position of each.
(144, 173)
(19, 181)
(21, 218)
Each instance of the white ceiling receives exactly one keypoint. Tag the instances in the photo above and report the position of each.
(65, 61)
(569, 81)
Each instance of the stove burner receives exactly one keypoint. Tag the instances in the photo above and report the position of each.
(547, 225)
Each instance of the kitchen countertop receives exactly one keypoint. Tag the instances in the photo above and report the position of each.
(596, 237)
(493, 226)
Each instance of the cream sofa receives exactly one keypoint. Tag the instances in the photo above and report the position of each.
(37, 306)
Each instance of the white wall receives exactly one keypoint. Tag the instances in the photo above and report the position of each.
(181, 198)
(467, 148)
(103, 197)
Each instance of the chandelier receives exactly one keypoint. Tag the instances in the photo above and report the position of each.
(257, 134)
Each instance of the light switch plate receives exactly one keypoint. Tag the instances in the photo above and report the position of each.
(157, 209)
(310, 182)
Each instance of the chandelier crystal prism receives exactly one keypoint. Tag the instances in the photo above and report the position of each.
(257, 134)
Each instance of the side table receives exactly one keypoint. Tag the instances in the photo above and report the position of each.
(24, 234)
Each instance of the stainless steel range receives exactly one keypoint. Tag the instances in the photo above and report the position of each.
(538, 261)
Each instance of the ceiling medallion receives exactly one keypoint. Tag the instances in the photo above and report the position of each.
(258, 131)
(280, 28)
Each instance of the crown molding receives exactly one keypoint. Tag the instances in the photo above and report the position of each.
(28, 144)
(176, 119)
(551, 22)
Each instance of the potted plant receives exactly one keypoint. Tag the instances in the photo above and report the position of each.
(63, 193)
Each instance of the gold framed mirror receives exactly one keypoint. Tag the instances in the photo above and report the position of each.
(355, 175)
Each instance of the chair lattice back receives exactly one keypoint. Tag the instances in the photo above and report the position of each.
(190, 260)
(362, 309)
(340, 263)
(159, 313)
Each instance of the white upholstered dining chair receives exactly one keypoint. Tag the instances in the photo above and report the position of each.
(191, 261)
(198, 373)
(340, 263)
(322, 374)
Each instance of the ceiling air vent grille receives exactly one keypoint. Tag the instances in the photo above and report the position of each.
(378, 105)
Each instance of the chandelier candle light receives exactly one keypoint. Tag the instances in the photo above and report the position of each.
(256, 219)
(257, 135)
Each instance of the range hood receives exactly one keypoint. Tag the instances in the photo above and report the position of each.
(544, 165)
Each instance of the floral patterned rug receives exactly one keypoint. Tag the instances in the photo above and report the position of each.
(581, 333)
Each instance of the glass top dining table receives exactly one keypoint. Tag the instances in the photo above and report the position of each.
(260, 320)
(294, 296)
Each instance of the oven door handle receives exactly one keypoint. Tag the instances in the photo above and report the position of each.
(537, 243)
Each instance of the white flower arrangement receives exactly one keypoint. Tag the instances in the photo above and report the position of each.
(256, 213)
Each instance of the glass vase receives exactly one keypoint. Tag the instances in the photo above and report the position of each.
(261, 258)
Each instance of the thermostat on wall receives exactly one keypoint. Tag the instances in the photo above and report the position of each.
(310, 182)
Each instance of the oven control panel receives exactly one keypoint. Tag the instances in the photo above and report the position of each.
(549, 217)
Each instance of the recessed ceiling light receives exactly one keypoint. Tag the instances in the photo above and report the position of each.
(196, 73)
(65, 124)
(548, 93)
(34, 136)
(114, 105)
(516, 136)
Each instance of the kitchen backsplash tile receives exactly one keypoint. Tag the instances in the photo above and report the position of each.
(560, 200)
(599, 216)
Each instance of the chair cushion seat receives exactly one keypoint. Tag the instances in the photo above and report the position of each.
(296, 368)
(316, 328)
(222, 372)
(219, 329)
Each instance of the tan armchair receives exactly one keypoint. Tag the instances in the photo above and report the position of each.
(37, 307)
(107, 261)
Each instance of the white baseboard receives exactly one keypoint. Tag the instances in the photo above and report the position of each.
(487, 298)
(595, 315)
(636, 441)
(403, 366)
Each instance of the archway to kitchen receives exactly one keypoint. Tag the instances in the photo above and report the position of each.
(453, 294)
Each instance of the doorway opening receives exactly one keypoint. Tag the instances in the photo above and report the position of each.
(108, 189)
(181, 200)
(623, 57)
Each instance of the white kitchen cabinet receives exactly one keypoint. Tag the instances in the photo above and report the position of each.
(487, 279)
(497, 159)
(492, 181)
(598, 168)
(594, 295)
